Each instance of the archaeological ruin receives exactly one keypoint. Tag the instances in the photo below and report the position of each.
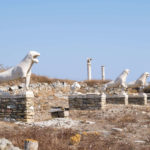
(29, 104)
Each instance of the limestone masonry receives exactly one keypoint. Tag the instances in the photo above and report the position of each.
(17, 107)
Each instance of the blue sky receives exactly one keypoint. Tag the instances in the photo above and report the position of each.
(115, 33)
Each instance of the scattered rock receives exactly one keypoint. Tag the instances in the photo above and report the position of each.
(90, 122)
(140, 142)
(117, 129)
(143, 112)
(75, 86)
(2, 88)
(21, 86)
(58, 123)
(13, 88)
(7, 145)
(105, 133)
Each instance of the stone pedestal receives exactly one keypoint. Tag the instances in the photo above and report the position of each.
(87, 101)
(117, 99)
(140, 99)
(18, 107)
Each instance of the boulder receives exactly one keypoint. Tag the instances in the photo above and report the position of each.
(7, 145)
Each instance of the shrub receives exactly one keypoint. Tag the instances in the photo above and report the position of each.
(74, 140)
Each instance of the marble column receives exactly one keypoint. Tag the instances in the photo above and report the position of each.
(103, 72)
(89, 71)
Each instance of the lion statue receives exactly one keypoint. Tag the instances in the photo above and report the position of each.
(22, 70)
(120, 82)
(140, 82)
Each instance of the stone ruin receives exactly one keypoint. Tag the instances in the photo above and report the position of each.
(96, 101)
(19, 107)
(23, 106)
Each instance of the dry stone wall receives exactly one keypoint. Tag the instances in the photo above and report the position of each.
(87, 102)
(98, 101)
(17, 107)
(46, 96)
(116, 99)
(138, 100)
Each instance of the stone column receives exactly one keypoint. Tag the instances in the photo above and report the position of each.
(89, 71)
(103, 72)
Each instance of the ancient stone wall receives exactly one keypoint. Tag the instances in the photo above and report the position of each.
(17, 107)
(138, 100)
(87, 102)
(122, 99)
(97, 101)
(42, 109)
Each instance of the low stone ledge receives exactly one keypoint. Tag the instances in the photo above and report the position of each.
(117, 99)
(140, 99)
(87, 101)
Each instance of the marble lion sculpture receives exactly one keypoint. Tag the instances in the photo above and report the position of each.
(120, 82)
(140, 82)
(22, 70)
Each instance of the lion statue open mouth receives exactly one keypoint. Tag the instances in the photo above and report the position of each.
(22, 70)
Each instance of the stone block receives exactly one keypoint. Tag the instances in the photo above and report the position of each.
(87, 102)
(117, 99)
(140, 99)
(19, 107)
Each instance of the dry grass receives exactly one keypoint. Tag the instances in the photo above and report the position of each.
(44, 79)
(131, 90)
(127, 119)
(49, 138)
(59, 139)
(96, 82)
(37, 79)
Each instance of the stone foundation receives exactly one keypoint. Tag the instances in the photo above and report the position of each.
(25, 107)
(87, 102)
(140, 99)
(97, 101)
(17, 107)
(117, 99)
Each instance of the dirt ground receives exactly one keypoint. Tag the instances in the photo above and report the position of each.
(116, 127)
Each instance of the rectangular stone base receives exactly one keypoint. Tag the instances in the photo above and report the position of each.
(18, 107)
(137, 100)
(116, 99)
(87, 102)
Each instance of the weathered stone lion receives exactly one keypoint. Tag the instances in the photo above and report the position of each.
(140, 82)
(22, 70)
(120, 82)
